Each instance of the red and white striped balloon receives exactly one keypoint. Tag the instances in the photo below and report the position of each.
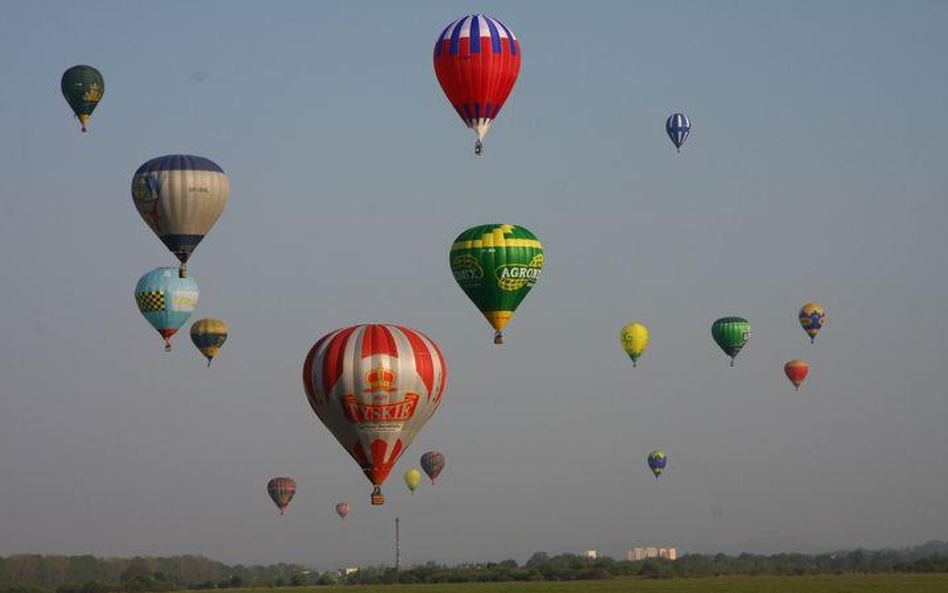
(374, 386)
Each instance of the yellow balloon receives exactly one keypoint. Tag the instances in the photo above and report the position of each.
(634, 338)
(209, 335)
(412, 479)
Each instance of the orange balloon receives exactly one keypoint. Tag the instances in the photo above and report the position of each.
(796, 371)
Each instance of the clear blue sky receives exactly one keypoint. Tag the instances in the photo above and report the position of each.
(815, 171)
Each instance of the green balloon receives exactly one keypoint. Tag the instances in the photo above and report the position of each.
(731, 334)
(496, 265)
(83, 87)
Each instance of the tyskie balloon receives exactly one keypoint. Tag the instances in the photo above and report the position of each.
(374, 387)
(496, 265)
(812, 317)
(180, 197)
(657, 460)
(208, 336)
(634, 339)
(731, 333)
(343, 509)
(477, 59)
(166, 301)
(412, 479)
(796, 371)
(678, 127)
(281, 491)
(433, 463)
(82, 87)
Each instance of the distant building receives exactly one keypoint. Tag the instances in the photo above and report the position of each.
(635, 554)
(348, 570)
(590, 554)
(672, 554)
(651, 552)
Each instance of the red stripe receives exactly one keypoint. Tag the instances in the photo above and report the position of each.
(308, 370)
(423, 364)
(377, 339)
(334, 358)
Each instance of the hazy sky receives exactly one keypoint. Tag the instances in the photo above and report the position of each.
(815, 171)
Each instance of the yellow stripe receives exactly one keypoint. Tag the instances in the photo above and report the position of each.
(498, 319)
(493, 241)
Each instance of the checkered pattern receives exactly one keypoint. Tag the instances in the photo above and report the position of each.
(150, 302)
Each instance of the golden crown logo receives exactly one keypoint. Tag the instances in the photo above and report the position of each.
(380, 379)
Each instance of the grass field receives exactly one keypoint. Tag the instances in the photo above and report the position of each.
(885, 583)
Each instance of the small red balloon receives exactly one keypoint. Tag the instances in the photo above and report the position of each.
(796, 371)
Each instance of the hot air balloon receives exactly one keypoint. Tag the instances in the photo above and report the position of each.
(477, 59)
(796, 371)
(281, 491)
(432, 462)
(343, 509)
(166, 301)
(678, 127)
(412, 479)
(496, 265)
(180, 197)
(82, 87)
(374, 387)
(634, 338)
(209, 335)
(657, 460)
(812, 318)
(731, 334)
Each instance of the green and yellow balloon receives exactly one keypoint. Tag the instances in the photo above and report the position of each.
(208, 336)
(634, 338)
(412, 479)
(82, 87)
(496, 265)
(731, 334)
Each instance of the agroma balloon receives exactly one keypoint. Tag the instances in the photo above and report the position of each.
(412, 479)
(634, 339)
(796, 371)
(657, 461)
(343, 509)
(496, 265)
(83, 88)
(812, 317)
(180, 197)
(730, 334)
(281, 491)
(477, 60)
(432, 463)
(678, 127)
(166, 301)
(208, 336)
(374, 387)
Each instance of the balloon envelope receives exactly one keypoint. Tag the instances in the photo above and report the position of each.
(166, 300)
(634, 339)
(180, 197)
(678, 127)
(412, 479)
(812, 317)
(208, 336)
(83, 88)
(343, 509)
(281, 491)
(374, 387)
(477, 60)
(433, 463)
(657, 460)
(496, 265)
(796, 371)
(730, 334)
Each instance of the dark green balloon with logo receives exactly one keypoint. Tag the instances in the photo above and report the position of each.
(496, 265)
(83, 87)
(731, 334)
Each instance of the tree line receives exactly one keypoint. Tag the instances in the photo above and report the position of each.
(34, 573)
